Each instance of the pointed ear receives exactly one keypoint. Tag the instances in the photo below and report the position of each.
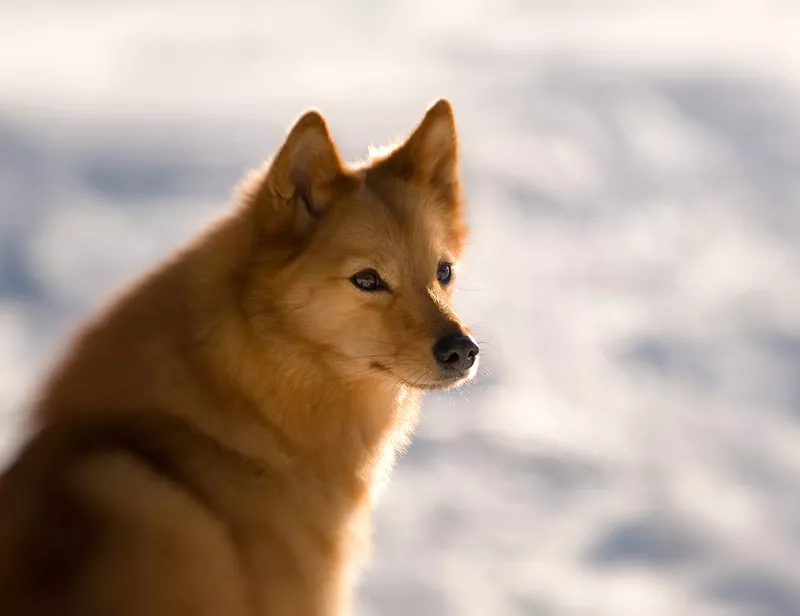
(430, 154)
(301, 177)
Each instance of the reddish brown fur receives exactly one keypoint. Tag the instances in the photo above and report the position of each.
(212, 441)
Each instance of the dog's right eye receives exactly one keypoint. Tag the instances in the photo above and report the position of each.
(368, 280)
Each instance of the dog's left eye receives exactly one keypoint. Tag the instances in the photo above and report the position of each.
(444, 273)
(368, 280)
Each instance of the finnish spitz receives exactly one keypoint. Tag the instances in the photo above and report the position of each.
(212, 441)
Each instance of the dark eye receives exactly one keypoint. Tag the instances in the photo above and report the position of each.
(368, 280)
(444, 273)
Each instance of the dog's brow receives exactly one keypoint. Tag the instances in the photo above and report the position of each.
(385, 192)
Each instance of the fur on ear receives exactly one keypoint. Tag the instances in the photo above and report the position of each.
(298, 186)
(430, 154)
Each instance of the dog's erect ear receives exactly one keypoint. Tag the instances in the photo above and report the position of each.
(430, 154)
(302, 176)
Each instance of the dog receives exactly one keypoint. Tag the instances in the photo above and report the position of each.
(213, 440)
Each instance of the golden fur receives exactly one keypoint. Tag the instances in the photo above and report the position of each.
(212, 441)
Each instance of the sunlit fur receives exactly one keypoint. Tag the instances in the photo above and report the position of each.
(211, 442)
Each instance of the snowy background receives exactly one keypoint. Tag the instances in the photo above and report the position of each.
(633, 169)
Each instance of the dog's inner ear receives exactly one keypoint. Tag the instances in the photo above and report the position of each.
(430, 154)
(303, 175)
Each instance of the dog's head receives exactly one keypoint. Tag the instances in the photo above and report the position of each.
(358, 262)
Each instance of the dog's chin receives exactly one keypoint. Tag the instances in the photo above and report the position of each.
(448, 382)
(431, 382)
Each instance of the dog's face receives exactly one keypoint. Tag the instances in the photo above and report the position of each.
(363, 261)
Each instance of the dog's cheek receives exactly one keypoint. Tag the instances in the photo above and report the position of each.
(369, 335)
(336, 320)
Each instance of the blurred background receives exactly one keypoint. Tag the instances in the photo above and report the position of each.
(633, 169)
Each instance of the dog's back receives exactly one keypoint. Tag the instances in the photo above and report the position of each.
(138, 513)
(107, 517)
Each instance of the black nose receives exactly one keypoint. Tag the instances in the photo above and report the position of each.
(456, 352)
